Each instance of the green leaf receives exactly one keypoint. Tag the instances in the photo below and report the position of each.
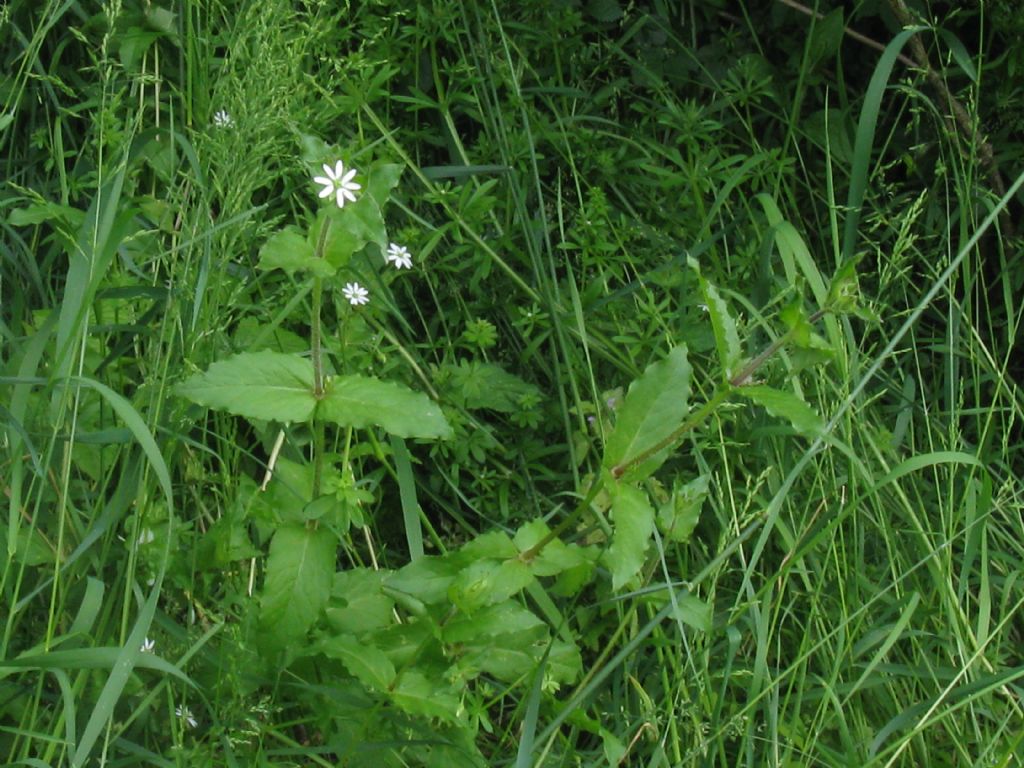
(487, 582)
(381, 179)
(826, 38)
(36, 213)
(679, 515)
(692, 611)
(475, 385)
(339, 244)
(358, 603)
(506, 618)
(418, 695)
(634, 523)
(364, 401)
(605, 11)
(565, 664)
(555, 557)
(496, 545)
(299, 573)
(227, 541)
(654, 408)
(727, 339)
(786, 405)
(367, 663)
(289, 250)
(425, 580)
(508, 657)
(844, 293)
(259, 385)
(795, 319)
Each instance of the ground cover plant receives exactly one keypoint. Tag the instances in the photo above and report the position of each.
(511, 384)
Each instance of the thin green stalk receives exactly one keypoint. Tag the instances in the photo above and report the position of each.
(316, 351)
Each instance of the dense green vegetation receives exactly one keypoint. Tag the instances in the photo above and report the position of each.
(647, 396)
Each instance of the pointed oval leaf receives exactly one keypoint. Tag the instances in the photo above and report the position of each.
(678, 516)
(381, 179)
(633, 517)
(487, 582)
(654, 408)
(419, 695)
(299, 573)
(727, 339)
(365, 401)
(506, 618)
(367, 663)
(786, 405)
(259, 385)
(288, 250)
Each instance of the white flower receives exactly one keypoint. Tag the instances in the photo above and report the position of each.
(356, 294)
(148, 645)
(399, 256)
(146, 536)
(222, 119)
(186, 714)
(338, 182)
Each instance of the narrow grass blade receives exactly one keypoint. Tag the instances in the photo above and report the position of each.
(866, 138)
(407, 495)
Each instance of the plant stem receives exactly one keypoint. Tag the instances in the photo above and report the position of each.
(316, 353)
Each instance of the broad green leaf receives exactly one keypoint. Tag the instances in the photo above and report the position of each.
(37, 213)
(844, 292)
(418, 695)
(826, 38)
(693, 611)
(338, 245)
(227, 541)
(633, 517)
(555, 557)
(349, 229)
(509, 657)
(487, 582)
(358, 603)
(365, 221)
(300, 569)
(655, 407)
(252, 336)
(416, 642)
(786, 405)
(258, 385)
(381, 179)
(565, 665)
(496, 545)
(425, 580)
(679, 515)
(367, 663)
(727, 339)
(365, 401)
(506, 618)
(485, 385)
(795, 319)
(289, 250)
